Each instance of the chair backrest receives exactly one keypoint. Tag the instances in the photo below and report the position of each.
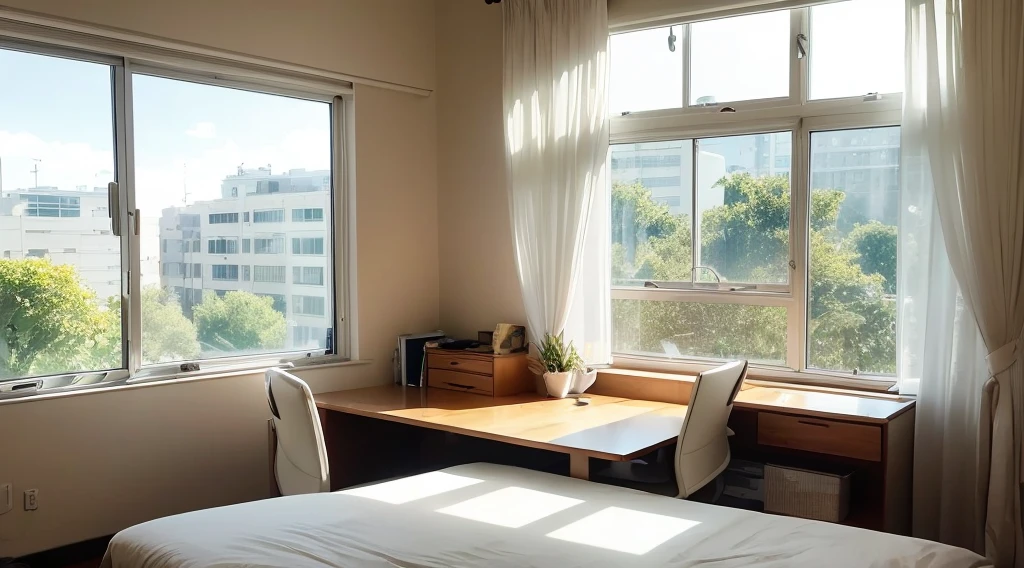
(703, 448)
(300, 462)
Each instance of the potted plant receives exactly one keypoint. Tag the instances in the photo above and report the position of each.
(561, 363)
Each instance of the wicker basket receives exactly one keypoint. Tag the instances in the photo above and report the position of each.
(804, 493)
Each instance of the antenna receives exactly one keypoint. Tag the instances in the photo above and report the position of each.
(35, 171)
(240, 168)
(184, 184)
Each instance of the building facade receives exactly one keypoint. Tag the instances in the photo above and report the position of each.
(267, 234)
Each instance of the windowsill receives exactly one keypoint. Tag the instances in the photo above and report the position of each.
(764, 376)
(181, 378)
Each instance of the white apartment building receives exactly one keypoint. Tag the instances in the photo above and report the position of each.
(69, 227)
(268, 235)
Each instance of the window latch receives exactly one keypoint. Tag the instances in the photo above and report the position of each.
(801, 46)
(114, 208)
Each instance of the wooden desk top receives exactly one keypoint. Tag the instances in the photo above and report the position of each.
(610, 428)
(823, 404)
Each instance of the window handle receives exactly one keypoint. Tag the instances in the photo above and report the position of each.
(801, 46)
(114, 208)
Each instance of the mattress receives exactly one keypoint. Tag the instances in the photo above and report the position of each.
(485, 515)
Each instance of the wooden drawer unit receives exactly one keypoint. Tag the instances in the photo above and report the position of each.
(859, 441)
(479, 373)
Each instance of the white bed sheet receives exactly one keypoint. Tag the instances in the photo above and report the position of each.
(484, 515)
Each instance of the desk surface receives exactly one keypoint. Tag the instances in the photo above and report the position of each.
(610, 428)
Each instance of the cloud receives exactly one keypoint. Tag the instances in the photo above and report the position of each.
(66, 165)
(203, 130)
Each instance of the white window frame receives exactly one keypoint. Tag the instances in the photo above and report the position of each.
(126, 58)
(795, 113)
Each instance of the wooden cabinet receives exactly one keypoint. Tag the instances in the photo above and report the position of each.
(478, 373)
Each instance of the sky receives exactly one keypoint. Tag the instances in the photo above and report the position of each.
(855, 48)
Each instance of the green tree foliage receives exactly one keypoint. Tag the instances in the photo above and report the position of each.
(748, 239)
(875, 245)
(240, 321)
(49, 321)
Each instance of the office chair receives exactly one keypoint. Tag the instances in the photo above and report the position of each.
(702, 450)
(300, 461)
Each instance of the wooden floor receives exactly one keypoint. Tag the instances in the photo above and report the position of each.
(86, 554)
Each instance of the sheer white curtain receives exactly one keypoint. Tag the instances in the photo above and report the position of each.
(963, 112)
(556, 144)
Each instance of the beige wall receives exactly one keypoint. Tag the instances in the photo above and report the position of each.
(479, 286)
(105, 460)
(388, 40)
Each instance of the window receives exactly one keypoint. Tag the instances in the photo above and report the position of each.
(268, 216)
(308, 246)
(222, 246)
(57, 162)
(272, 245)
(310, 275)
(875, 66)
(260, 128)
(219, 218)
(197, 270)
(307, 215)
(769, 235)
(309, 336)
(268, 274)
(308, 305)
(224, 272)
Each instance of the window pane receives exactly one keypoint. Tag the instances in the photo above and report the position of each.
(645, 74)
(684, 329)
(738, 59)
(651, 211)
(856, 48)
(225, 157)
(60, 275)
(743, 206)
(855, 200)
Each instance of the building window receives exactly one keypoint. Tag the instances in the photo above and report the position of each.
(308, 246)
(222, 246)
(268, 216)
(36, 253)
(246, 246)
(246, 274)
(308, 305)
(278, 302)
(272, 245)
(308, 275)
(307, 215)
(197, 270)
(224, 272)
(51, 205)
(245, 216)
(268, 274)
(711, 257)
(221, 218)
(309, 337)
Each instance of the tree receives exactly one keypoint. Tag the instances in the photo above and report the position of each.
(167, 335)
(240, 321)
(49, 321)
(875, 245)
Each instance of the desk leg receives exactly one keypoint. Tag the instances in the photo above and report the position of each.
(579, 466)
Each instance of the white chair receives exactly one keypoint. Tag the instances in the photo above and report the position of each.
(702, 451)
(300, 461)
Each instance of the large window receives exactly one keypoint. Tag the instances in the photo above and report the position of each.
(87, 288)
(757, 216)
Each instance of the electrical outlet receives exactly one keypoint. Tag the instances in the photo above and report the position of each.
(31, 499)
(6, 498)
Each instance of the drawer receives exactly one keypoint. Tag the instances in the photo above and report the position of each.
(858, 441)
(455, 362)
(465, 382)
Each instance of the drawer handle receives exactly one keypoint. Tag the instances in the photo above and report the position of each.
(457, 385)
(818, 424)
(453, 363)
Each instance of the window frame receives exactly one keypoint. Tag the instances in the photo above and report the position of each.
(124, 64)
(800, 115)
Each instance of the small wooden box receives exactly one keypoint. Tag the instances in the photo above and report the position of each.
(478, 373)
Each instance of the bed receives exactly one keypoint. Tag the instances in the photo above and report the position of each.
(485, 515)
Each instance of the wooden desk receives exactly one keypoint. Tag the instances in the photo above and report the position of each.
(610, 428)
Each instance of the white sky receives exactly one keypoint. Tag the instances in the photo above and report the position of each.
(856, 47)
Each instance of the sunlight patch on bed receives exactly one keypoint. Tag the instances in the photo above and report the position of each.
(624, 530)
(412, 488)
(511, 507)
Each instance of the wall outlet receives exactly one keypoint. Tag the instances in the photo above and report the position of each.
(31, 499)
(6, 498)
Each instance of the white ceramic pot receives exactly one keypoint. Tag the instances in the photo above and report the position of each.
(582, 380)
(558, 384)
